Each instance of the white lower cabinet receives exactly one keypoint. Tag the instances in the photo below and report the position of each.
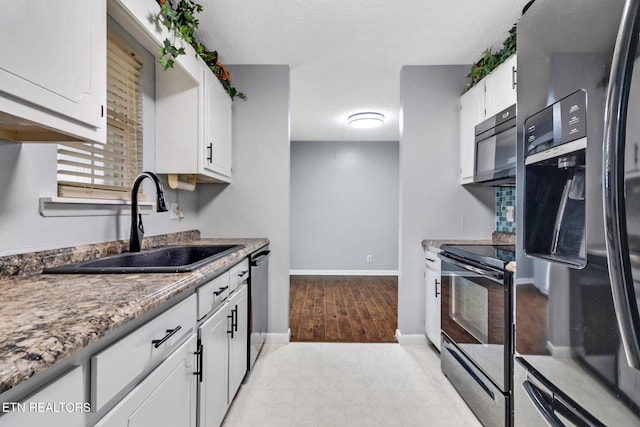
(223, 345)
(59, 404)
(167, 397)
(214, 387)
(142, 349)
(433, 280)
(238, 339)
(167, 372)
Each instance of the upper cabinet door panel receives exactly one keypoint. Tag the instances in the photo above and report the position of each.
(471, 113)
(217, 126)
(54, 56)
(501, 87)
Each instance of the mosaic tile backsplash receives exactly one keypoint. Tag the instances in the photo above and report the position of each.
(505, 196)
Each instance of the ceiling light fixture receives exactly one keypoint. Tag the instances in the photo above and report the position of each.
(365, 120)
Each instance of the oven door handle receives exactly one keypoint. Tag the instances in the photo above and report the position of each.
(473, 267)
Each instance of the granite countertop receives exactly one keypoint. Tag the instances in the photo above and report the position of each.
(44, 318)
(497, 238)
(438, 243)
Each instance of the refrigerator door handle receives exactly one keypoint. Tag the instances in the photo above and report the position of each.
(620, 275)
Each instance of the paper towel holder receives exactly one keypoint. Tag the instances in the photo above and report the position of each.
(176, 183)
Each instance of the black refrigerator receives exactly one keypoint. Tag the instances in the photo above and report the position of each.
(577, 324)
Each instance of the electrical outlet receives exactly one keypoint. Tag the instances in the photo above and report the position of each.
(510, 213)
(175, 212)
(369, 258)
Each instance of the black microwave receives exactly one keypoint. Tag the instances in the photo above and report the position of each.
(495, 149)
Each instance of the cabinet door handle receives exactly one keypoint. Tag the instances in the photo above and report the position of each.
(210, 152)
(436, 287)
(170, 333)
(198, 353)
(221, 290)
(514, 73)
(231, 317)
(430, 259)
(234, 322)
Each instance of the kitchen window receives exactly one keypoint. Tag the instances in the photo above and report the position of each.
(106, 171)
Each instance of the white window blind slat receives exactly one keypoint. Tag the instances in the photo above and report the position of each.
(92, 170)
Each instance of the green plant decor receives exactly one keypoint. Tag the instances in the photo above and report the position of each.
(491, 60)
(179, 17)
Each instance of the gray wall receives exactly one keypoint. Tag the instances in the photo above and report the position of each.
(344, 206)
(256, 204)
(28, 172)
(433, 205)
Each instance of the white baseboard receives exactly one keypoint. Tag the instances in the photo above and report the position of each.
(410, 339)
(524, 280)
(343, 272)
(279, 338)
(560, 351)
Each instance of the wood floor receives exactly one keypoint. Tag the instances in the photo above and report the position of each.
(343, 308)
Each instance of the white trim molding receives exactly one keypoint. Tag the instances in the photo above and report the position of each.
(279, 338)
(343, 272)
(410, 339)
(58, 206)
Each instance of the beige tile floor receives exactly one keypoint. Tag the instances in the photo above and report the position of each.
(338, 384)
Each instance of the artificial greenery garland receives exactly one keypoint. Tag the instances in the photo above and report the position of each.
(179, 18)
(490, 60)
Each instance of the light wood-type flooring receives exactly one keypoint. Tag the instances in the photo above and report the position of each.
(343, 308)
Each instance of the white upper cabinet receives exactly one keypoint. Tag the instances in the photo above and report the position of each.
(488, 97)
(193, 111)
(53, 70)
(500, 87)
(193, 126)
(471, 113)
(217, 127)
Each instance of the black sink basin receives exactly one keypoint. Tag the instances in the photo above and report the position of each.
(168, 259)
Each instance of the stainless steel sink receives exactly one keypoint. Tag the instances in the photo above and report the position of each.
(167, 259)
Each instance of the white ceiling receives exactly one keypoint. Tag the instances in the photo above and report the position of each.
(346, 55)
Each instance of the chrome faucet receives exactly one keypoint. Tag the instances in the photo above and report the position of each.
(137, 230)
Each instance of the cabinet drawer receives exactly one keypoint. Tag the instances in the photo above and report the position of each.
(212, 294)
(167, 397)
(115, 367)
(239, 274)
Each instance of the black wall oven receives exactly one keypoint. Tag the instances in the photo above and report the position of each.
(477, 327)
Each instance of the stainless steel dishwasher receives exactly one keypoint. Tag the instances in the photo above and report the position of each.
(258, 302)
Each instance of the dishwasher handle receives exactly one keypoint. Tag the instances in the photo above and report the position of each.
(260, 258)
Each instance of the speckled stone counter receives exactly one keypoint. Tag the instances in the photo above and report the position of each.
(44, 318)
(497, 238)
(436, 244)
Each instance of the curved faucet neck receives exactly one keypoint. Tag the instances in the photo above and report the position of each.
(137, 229)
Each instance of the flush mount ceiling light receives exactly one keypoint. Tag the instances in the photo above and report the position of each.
(365, 120)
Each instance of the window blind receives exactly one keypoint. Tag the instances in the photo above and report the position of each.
(106, 171)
